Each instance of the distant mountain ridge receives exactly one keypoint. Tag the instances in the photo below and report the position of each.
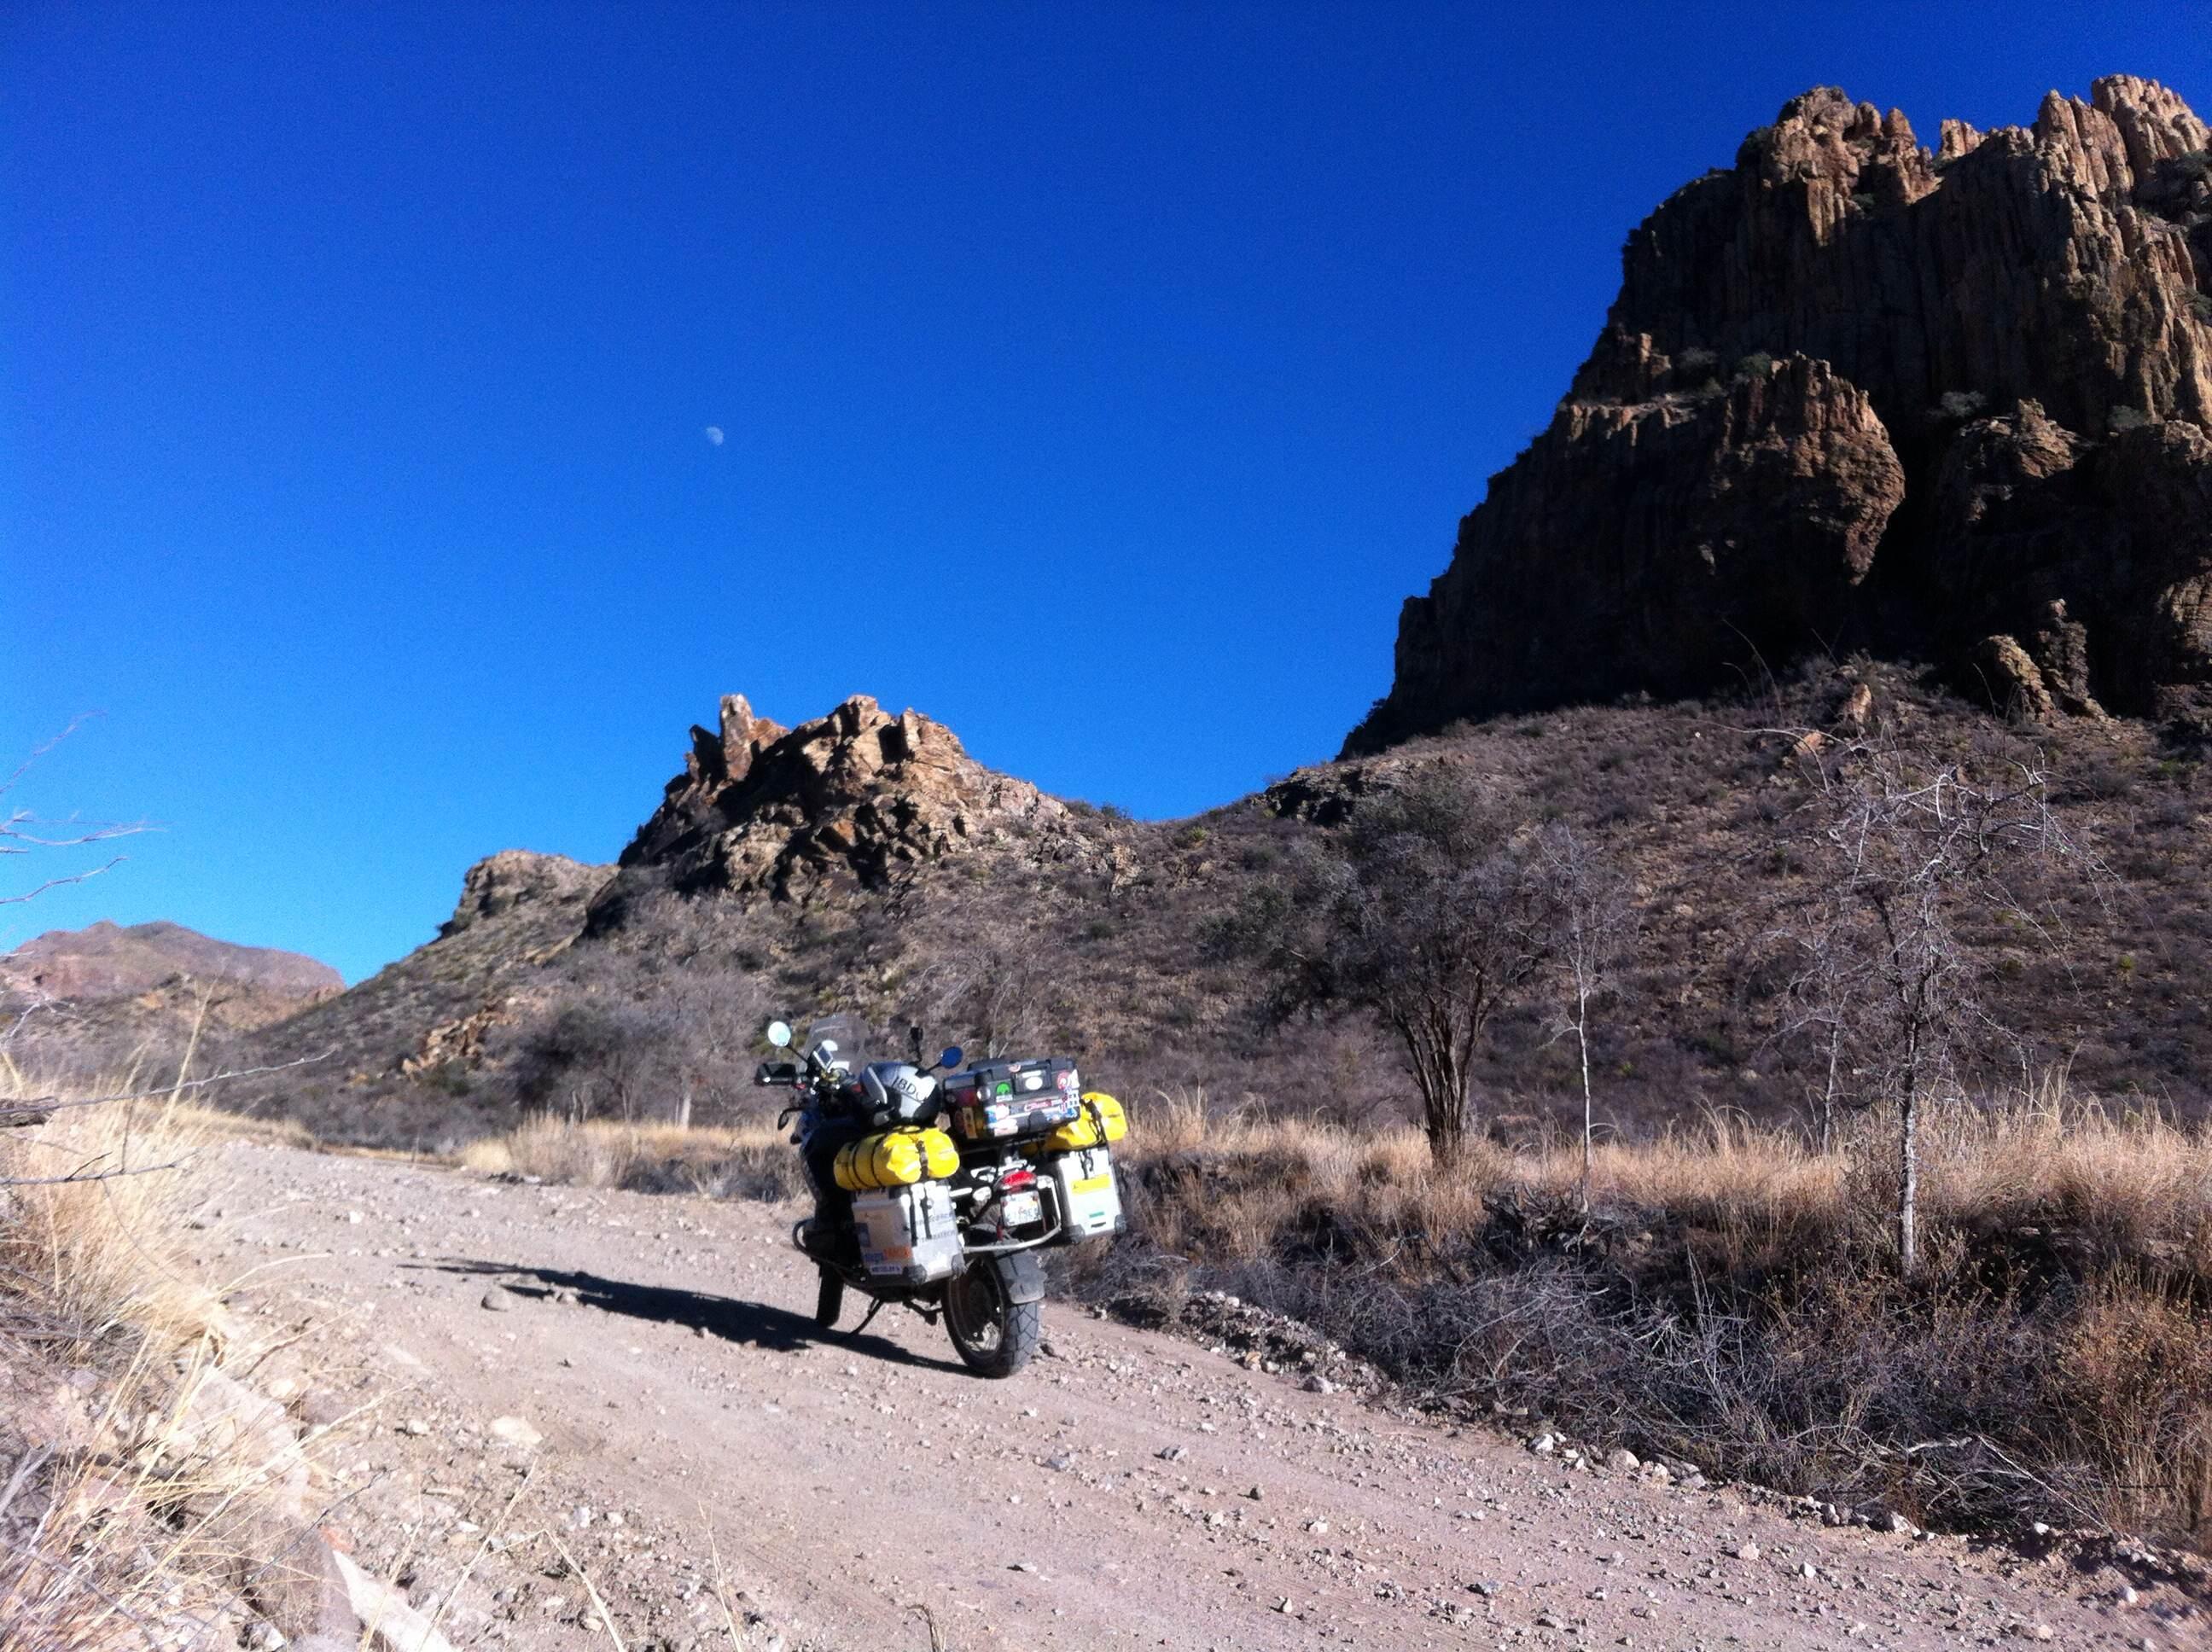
(1856, 394)
(106, 960)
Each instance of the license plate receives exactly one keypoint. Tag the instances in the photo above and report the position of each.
(1021, 1208)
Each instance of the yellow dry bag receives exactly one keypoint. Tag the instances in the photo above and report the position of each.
(896, 1158)
(1101, 1121)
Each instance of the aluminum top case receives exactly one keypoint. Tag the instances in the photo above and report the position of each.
(1012, 1099)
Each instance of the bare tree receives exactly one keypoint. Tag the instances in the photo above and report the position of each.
(1826, 984)
(1592, 924)
(1430, 914)
(997, 995)
(714, 1017)
(1903, 841)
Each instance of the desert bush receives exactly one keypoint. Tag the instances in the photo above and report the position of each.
(1723, 1301)
(588, 1058)
(1425, 913)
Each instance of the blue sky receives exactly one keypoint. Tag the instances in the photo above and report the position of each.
(1097, 378)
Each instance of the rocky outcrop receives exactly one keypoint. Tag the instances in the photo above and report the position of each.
(499, 884)
(762, 809)
(457, 1045)
(1858, 393)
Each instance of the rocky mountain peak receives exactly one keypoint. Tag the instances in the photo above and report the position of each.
(1857, 394)
(762, 809)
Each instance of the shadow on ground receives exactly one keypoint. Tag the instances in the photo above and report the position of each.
(756, 1324)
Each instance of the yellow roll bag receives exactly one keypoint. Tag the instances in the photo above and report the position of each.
(1101, 1121)
(895, 1158)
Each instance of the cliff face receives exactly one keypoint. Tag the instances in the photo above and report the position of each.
(1856, 393)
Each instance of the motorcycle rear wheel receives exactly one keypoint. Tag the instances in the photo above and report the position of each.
(993, 1334)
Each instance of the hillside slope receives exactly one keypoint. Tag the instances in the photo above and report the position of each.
(1048, 925)
(105, 960)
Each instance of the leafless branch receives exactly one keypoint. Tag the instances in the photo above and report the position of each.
(57, 1103)
(114, 1174)
(22, 832)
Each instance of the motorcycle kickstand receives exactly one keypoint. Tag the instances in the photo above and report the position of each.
(868, 1318)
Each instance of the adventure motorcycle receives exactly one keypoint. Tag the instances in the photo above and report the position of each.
(955, 1184)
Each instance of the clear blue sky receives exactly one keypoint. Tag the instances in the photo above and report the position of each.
(1097, 378)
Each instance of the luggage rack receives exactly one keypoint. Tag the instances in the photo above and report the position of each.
(1045, 1189)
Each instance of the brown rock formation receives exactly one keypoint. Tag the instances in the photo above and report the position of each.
(2014, 681)
(499, 882)
(1856, 393)
(760, 809)
(457, 1043)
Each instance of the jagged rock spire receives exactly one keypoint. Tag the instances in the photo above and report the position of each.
(1843, 322)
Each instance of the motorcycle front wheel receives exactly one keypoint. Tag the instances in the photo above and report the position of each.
(829, 1301)
(993, 1334)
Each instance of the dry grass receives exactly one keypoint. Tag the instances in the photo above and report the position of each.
(1733, 1298)
(752, 1161)
(119, 1523)
(97, 1259)
(2139, 1178)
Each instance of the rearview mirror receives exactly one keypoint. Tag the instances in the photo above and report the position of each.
(779, 1034)
(950, 1059)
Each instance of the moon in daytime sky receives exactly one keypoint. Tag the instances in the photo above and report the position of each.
(714, 435)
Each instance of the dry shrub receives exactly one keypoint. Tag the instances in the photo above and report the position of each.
(2134, 1379)
(97, 1306)
(97, 1257)
(1733, 1298)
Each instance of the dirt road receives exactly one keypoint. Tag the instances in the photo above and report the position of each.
(1130, 1490)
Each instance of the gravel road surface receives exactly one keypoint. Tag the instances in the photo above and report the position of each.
(643, 1426)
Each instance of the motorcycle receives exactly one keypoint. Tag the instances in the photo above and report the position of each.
(957, 1178)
